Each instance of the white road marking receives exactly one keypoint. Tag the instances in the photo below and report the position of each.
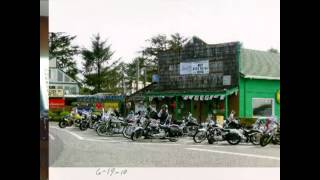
(234, 153)
(51, 136)
(72, 133)
(150, 143)
(96, 140)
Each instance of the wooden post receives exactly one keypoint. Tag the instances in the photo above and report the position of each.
(176, 110)
(191, 106)
(226, 106)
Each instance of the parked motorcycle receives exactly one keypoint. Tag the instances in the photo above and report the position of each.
(113, 125)
(131, 122)
(69, 120)
(189, 125)
(89, 122)
(152, 129)
(201, 133)
(214, 132)
(272, 134)
(231, 132)
(254, 135)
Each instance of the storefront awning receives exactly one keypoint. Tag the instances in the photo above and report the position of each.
(96, 98)
(194, 95)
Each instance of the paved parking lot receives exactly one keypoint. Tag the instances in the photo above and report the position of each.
(72, 147)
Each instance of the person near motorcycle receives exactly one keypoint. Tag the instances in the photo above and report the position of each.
(88, 107)
(271, 123)
(231, 120)
(163, 114)
(151, 113)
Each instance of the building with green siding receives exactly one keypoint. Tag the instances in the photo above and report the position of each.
(209, 79)
(259, 83)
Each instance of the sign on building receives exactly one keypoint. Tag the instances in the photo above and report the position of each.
(56, 103)
(199, 67)
(56, 93)
(111, 105)
(226, 80)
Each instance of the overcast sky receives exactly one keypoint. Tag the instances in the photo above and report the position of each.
(128, 23)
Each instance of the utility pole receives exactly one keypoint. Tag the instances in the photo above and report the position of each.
(145, 76)
(123, 85)
(138, 74)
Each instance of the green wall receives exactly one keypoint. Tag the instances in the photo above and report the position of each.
(257, 88)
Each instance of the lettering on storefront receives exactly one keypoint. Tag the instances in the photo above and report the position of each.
(199, 67)
(56, 93)
(56, 103)
(111, 105)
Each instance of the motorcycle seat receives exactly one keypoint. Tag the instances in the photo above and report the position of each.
(174, 125)
(163, 126)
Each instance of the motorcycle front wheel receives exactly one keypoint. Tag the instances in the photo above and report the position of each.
(83, 126)
(210, 140)
(255, 138)
(127, 131)
(265, 140)
(102, 130)
(199, 136)
(173, 139)
(233, 139)
(136, 135)
(62, 124)
(276, 140)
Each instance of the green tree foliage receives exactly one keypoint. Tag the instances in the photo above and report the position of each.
(158, 44)
(61, 49)
(97, 75)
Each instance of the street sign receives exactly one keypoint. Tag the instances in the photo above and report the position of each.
(56, 103)
(56, 93)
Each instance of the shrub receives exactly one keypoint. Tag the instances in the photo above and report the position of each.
(64, 113)
(54, 115)
(247, 122)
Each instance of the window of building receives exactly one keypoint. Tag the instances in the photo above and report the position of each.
(66, 79)
(60, 76)
(171, 67)
(73, 90)
(262, 107)
(66, 90)
(49, 73)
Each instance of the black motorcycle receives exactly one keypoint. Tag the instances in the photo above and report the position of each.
(131, 122)
(89, 122)
(251, 135)
(230, 132)
(113, 125)
(189, 126)
(152, 129)
(214, 132)
(272, 135)
(66, 121)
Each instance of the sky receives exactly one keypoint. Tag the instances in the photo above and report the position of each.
(128, 23)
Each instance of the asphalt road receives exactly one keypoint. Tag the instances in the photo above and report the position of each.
(71, 147)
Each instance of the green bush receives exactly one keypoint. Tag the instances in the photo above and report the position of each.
(97, 112)
(74, 104)
(56, 115)
(64, 113)
(247, 122)
(51, 115)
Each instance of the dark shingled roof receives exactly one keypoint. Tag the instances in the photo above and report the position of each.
(259, 64)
